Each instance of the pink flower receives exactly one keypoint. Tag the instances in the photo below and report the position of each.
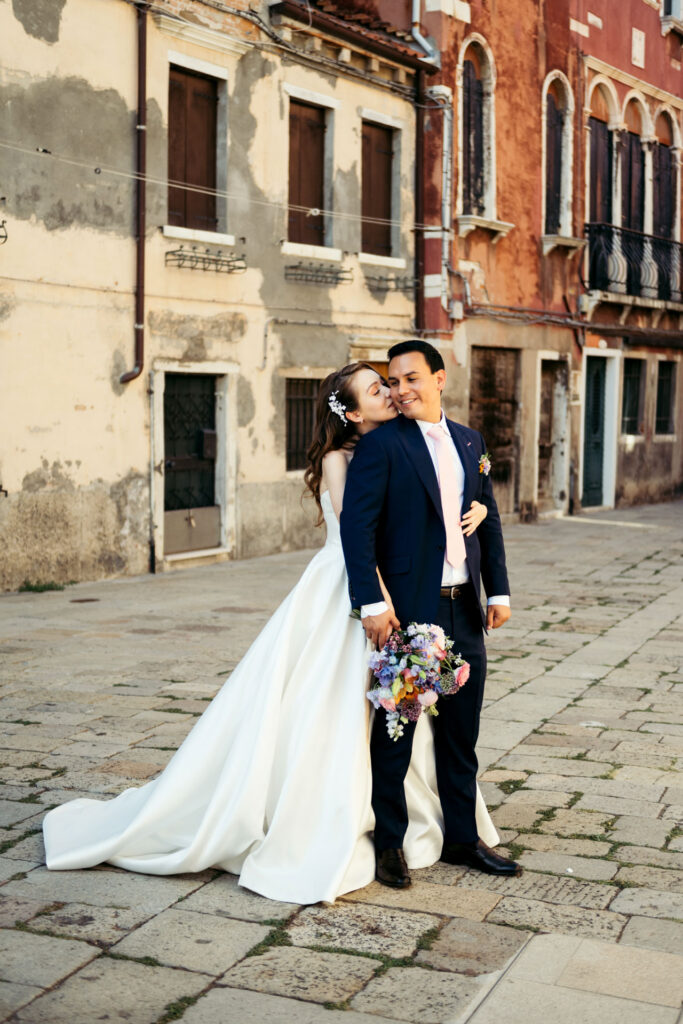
(440, 653)
(388, 704)
(427, 698)
(463, 674)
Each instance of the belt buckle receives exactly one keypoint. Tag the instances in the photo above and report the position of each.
(455, 591)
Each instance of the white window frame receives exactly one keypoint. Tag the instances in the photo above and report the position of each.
(567, 161)
(220, 74)
(226, 374)
(330, 104)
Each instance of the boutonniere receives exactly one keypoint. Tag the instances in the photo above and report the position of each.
(485, 463)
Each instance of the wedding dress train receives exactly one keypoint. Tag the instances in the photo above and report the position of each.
(273, 783)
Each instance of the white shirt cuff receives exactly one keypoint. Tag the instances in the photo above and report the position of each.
(500, 599)
(373, 609)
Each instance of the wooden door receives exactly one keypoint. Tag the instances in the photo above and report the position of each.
(494, 411)
(594, 431)
(552, 435)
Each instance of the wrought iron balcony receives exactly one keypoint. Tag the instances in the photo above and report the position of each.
(631, 263)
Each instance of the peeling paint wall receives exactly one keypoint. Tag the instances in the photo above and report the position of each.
(78, 470)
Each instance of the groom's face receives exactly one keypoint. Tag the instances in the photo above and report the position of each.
(415, 390)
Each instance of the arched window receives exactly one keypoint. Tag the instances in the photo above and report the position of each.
(473, 198)
(557, 116)
(633, 198)
(476, 182)
(600, 210)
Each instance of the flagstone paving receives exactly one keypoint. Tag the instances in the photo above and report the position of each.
(581, 755)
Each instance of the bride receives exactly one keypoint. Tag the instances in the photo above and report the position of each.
(273, 783)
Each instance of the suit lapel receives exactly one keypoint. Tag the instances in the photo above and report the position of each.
(469, 462)
(416, 447)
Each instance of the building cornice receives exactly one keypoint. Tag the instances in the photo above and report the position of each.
(653, 91)
(207, 37)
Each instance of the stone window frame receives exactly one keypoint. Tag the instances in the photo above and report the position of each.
(330, 105)
(175, 58)
(226, 373)
(489, 221)
(564, 236)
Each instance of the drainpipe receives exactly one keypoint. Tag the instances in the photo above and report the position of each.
(418, 37)
(140, 176)
(443, 95)
(419, 202)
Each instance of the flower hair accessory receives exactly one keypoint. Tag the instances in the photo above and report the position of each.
(485, 464)
(336, 406)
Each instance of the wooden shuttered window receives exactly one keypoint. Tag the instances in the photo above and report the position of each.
(553, 165)
(664, 190)
(666, 397)
(632, 183)
(192, 110)
(601, 172)
(306, 172)
(473, 141)
(376, 188)
(300, 399)
(633, 396)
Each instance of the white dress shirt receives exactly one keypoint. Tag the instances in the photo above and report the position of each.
(452, 575)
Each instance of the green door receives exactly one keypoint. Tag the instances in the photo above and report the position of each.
(594, 431)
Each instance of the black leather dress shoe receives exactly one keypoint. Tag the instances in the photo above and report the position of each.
(391, 869)
(479, 855)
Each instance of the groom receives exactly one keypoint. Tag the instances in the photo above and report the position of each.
(407, 486)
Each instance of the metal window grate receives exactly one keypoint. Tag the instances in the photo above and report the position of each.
(300, 398)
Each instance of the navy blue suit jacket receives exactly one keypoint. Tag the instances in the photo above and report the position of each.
(392, 520)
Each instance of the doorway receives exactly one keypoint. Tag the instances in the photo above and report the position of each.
(552, 436)
(494, 411)
(192, 516)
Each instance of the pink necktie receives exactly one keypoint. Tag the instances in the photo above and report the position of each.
(448, 484)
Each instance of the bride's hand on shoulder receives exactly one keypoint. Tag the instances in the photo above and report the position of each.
(471, 520)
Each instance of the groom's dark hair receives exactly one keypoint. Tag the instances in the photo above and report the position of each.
(431, 354)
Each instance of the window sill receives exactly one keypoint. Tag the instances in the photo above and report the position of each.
(468, 222)
(671, 24)
(311, 252)
(374, 260)
(659, 438)
(572, 245)
(191, 235)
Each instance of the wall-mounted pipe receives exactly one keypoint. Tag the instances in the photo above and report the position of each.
(443, 95)
(419, 201)
(431, 57)
(141, 198)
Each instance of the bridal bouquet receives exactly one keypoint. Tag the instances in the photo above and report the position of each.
(412, 670)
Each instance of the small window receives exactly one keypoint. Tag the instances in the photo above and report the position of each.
(300, 398)
(666, 394)
(632, 404)
(472, 140)
(554, 129)
(306, 173)
(378, 144)
(192, 112)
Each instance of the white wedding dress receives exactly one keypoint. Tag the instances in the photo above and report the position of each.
(273, 783)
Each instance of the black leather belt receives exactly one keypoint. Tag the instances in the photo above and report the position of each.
(454, 592)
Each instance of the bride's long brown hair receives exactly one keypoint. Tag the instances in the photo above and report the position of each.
(332, 431)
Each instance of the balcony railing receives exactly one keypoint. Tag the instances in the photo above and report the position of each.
(632, 263)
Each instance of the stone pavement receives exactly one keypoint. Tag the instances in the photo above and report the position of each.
(581, 752)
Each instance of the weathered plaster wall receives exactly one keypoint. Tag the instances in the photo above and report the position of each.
(77, 472)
